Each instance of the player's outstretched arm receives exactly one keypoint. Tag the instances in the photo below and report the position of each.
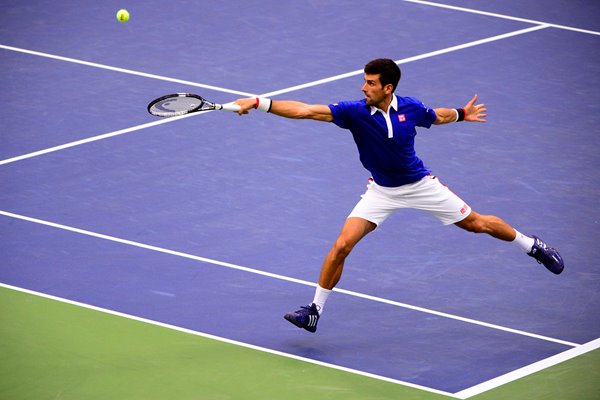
(470, 113)
(286, 108)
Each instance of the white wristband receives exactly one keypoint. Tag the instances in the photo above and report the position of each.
(263, 104)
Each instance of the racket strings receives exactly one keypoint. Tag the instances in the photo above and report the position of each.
(176, 106)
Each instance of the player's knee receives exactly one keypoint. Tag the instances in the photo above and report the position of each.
(475, 224)
(342, 247)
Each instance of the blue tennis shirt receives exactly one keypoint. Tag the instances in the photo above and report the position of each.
(386, 141)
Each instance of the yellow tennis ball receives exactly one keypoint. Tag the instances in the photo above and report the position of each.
(123, 15)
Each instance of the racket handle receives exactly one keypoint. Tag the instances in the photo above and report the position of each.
(230, 107)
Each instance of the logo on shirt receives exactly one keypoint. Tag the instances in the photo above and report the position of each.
(402, 118)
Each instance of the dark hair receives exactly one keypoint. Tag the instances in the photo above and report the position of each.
(387, 69)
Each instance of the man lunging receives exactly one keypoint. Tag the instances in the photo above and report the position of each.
(383, 127)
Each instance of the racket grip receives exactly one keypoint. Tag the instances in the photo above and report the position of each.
(230, 107)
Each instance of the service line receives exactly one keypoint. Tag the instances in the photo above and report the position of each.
(225, 90)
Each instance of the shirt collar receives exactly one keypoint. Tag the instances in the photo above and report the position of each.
(393, 104)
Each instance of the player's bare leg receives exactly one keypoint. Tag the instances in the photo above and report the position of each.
(353, 231)
(489, 224)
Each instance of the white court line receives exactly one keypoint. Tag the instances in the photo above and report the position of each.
(528, 370)
(503, 16)
(411, 59)
(284, 278)
(123, 70)
(92, 139)
(225, 340)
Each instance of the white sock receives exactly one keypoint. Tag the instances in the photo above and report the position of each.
(524, 242)
(321, 296)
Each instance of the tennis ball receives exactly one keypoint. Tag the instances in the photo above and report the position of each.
(123, 15)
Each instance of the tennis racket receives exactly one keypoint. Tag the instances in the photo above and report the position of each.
(176, 104)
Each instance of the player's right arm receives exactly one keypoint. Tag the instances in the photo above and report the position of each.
(290, 109)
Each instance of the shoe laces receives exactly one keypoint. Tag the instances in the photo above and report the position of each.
(539, 245)
(307, 307)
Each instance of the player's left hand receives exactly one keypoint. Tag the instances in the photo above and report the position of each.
(475, 113)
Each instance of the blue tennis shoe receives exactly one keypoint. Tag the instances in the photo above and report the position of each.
(547, 256)
(306, 317)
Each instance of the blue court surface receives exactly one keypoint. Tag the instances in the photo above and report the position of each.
(219, 223)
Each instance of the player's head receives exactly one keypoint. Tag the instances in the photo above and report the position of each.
(388, 71)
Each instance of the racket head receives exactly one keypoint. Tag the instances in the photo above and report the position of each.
(176, 104)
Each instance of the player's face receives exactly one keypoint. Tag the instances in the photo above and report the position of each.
(375, 93)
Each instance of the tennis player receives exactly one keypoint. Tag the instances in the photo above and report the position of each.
(383, 126)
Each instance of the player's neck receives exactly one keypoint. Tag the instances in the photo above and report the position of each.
(385, 104)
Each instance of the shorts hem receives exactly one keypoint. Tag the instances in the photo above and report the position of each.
(462, 217)
(366, 219)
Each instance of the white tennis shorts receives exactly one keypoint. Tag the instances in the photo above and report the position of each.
(428, 194)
